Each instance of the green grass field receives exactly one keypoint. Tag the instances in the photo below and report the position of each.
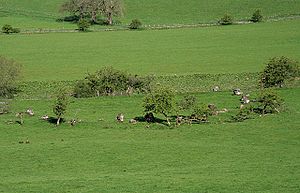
(42, 14)
(260, 155)
(101, 155)
(229, 49)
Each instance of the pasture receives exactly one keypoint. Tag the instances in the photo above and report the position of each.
(98, 154)
(260, 155)
(34, 14)
(213, 50)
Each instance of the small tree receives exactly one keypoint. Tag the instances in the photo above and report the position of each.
(61, 103)
(278, 70)
(269, 102)
(226, 20)
(257, 16)
(83, 25)
(160, 100)
(10, 72)
(135, 24)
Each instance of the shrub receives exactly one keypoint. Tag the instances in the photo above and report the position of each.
(201, 112)
(257, 16)
(188, 102)
(10, 71)
(160, 100)
(278, 70)
(8, 29)
(135, 24)
(110, 81)
(244, 113)
(226, 20)
(269, 102)
(83, 25)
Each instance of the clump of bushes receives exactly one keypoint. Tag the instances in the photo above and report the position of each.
(135, 24)
(110, 81)
(278, 70)
(256, 16)
(8, 29)
(226, 20)
(10, 72)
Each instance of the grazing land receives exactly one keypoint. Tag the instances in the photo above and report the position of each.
(43, 14)
(99, 154)
(259, 155)
(229, 49)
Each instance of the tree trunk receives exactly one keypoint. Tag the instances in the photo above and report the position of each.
(109, 19)
(58, 120)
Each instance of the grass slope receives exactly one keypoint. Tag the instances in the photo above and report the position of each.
(42, 14)
(229, 49)
(259, 155)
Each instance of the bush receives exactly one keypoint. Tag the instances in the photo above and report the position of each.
(160, 100)
(83, 25)
(257, 16)
(10, 71)
(188, 102)
(201, 112)
(269, 102)
(109, 81)
(135, 24)
(226, 20)
(8, 29)
(278, 70)
(243, 114)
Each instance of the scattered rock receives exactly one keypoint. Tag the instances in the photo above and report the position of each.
(120, 118)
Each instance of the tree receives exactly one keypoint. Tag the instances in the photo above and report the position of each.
(278, 70)
(93, 8)
(61, 103)
(10, 72)
(160, 100)
(8, 29)
(269, 102)
(112, 8)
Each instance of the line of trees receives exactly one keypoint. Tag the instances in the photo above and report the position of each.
(92, 9)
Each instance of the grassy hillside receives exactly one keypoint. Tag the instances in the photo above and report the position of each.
(259, 155)
(36, 13)
(229, 49)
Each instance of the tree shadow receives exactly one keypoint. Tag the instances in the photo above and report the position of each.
(53, 120)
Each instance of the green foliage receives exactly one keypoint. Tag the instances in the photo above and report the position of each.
(110, 81)
(188, 102)
(269, 102)
(61, 104)
(160, 100)
(226, 20)
(10, 72)
(257, 16)
(8, 29)
(135, 24)
(278, 70)
(83, 25)
(247, 112)
(201, 111)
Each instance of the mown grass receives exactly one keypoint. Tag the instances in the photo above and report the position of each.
(36, 13)
(260, 155)
(213, 50)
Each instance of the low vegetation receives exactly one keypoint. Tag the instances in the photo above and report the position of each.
(278, 70)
